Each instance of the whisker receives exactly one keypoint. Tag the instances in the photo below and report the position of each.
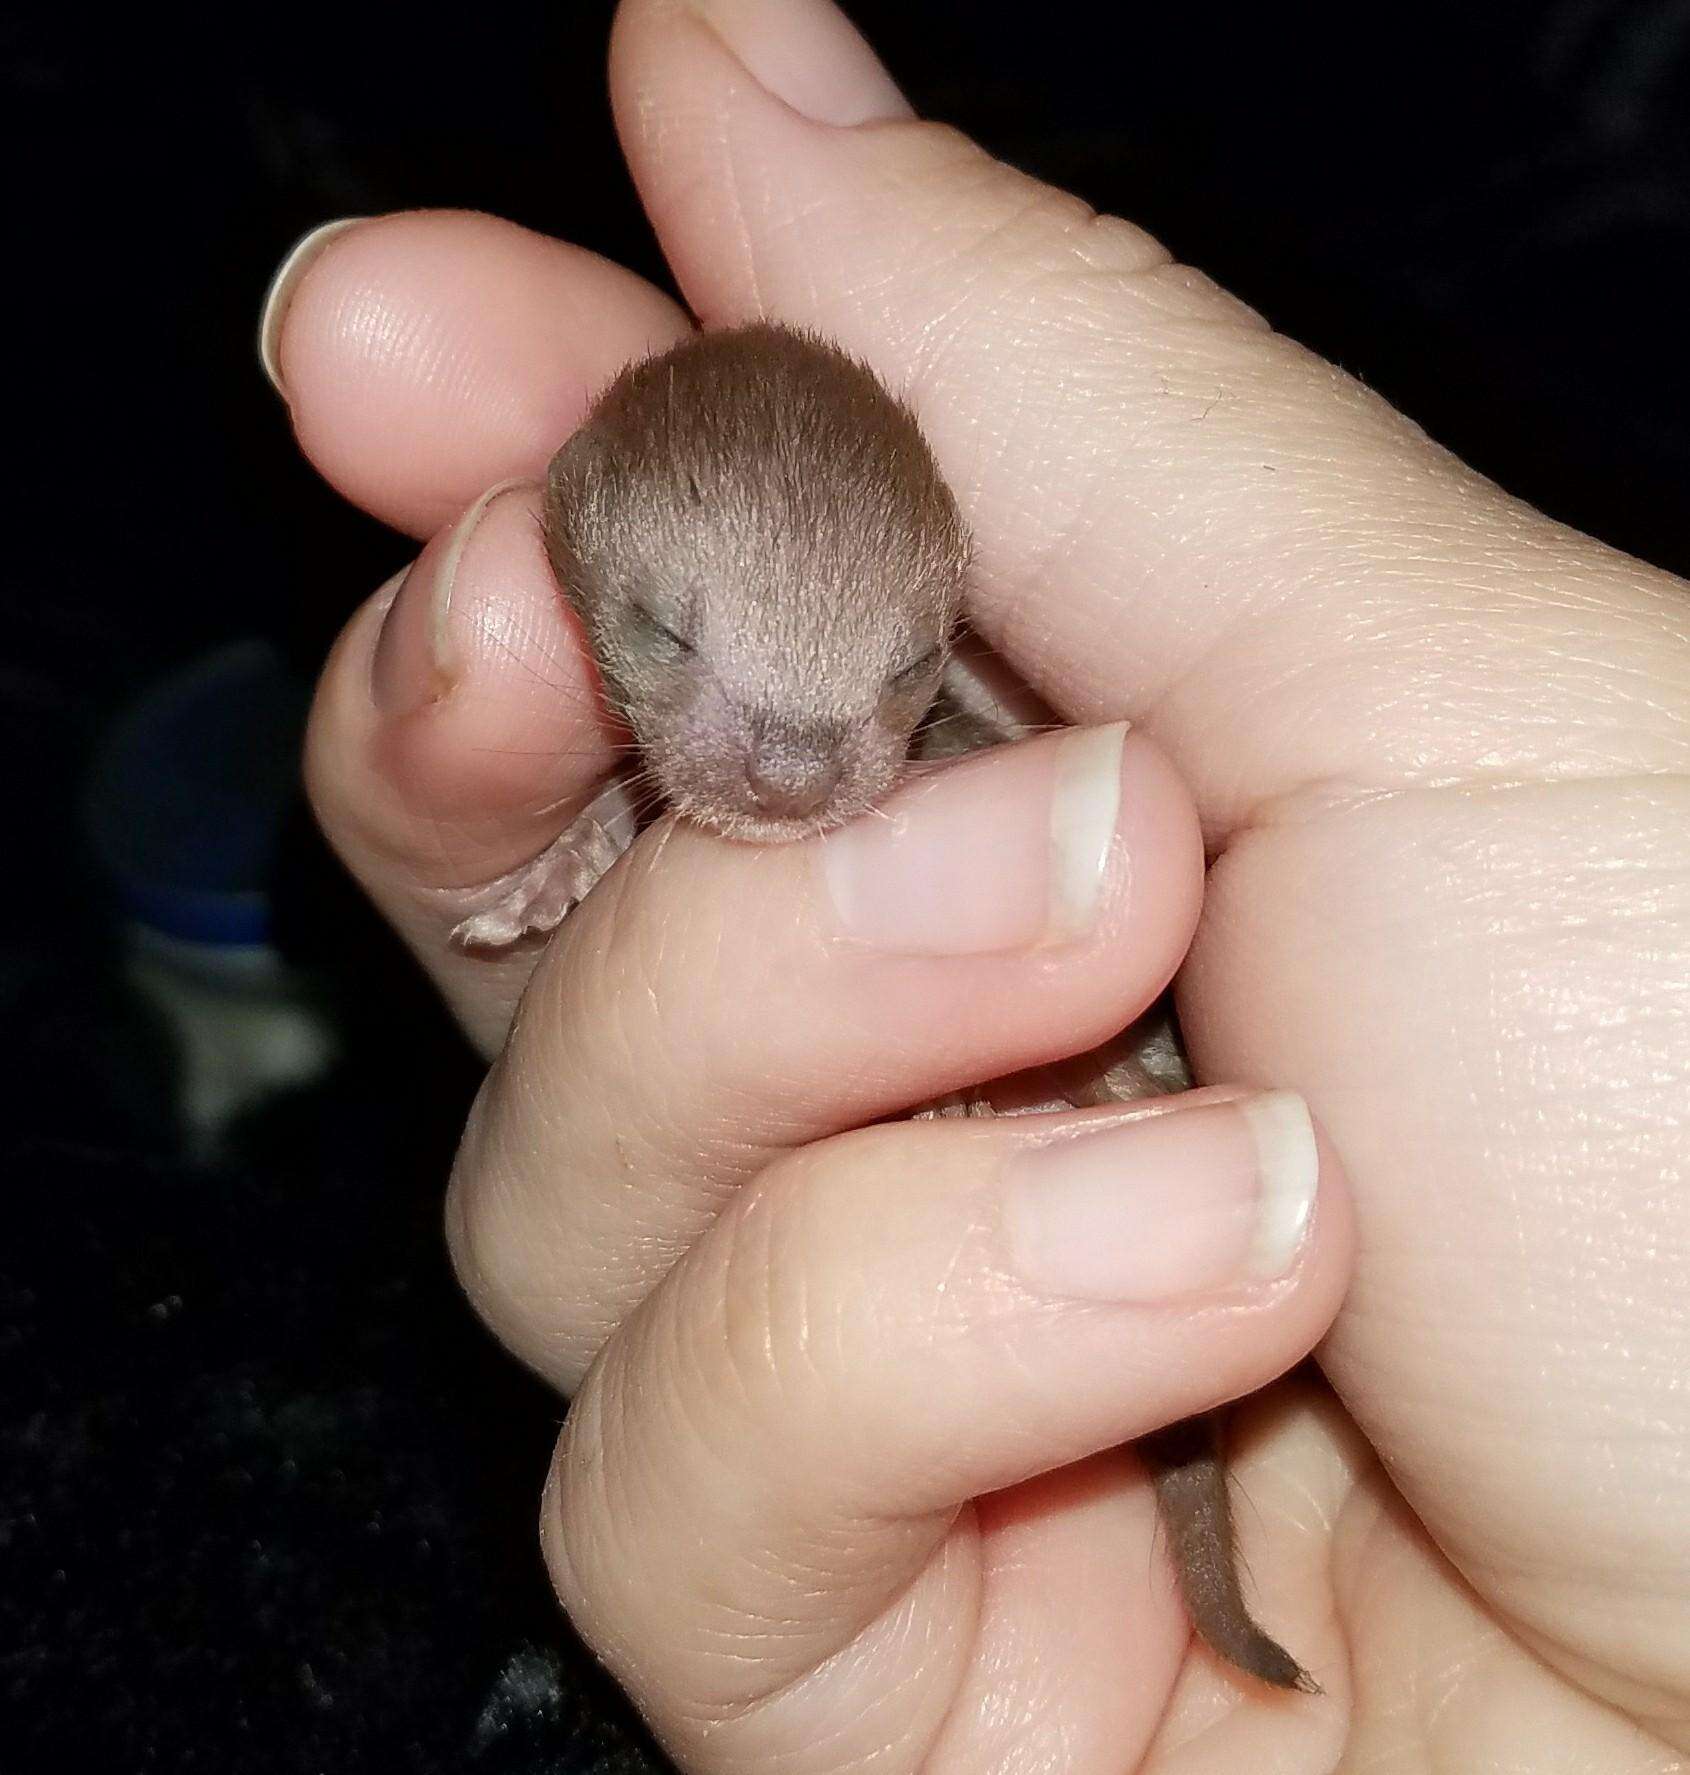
(552, 751)
(572, 691)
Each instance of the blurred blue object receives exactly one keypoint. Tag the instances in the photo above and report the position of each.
(186, 807)
(190, 792)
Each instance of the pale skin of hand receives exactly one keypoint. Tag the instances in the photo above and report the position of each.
(1437, 748)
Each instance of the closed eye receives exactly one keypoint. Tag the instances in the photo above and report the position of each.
(658, 630)
(918, 668)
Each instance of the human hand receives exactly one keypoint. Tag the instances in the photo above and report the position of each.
(1437, 747)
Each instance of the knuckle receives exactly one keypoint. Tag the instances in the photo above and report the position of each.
(576, 1516)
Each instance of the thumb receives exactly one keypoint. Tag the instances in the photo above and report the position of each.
(1259, 561)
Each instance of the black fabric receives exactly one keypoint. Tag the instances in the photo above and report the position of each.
(267, 1494)
(268, 1500)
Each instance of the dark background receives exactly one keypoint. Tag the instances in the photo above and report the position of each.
(267, 1496)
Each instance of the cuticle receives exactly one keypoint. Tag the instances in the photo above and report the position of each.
(440, 633)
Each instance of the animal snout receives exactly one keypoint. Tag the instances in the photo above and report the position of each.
(792, 771)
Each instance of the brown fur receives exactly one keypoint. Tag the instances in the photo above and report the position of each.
(769, 567)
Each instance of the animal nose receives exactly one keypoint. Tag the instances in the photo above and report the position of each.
(792, 771)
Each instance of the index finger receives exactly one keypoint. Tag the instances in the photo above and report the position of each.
(426, 356)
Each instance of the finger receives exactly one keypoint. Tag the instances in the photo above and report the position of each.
(455, 732)
(426, 356)
(711, 1006)
(754, 1507)
(1285, 580)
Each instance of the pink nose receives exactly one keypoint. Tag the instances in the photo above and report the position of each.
(791, 774)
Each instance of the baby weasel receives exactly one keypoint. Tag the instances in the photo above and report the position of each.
(770, 569)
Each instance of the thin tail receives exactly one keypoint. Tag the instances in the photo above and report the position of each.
(1197, 1513)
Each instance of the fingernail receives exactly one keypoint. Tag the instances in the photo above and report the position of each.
(301, 256)
(414, 662)
(809, 56)
(1175, 1203)
(963, 866)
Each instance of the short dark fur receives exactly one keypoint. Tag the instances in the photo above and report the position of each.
(769, 567)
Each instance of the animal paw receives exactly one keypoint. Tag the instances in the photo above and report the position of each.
(538, 897)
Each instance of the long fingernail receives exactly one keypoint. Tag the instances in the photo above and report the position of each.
(1171, 1204)
(810, 56)
(958, 866)
(414, 662)
(301, 256)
